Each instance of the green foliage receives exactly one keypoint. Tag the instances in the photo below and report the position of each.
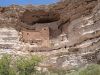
(93, 69)
(5, 68)
(22, 66)
(27, 66)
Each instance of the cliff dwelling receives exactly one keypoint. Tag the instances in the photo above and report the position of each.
(48, 26)
(39, 36)
(37, 27)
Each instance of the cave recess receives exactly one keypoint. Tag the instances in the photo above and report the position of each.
(39, 16)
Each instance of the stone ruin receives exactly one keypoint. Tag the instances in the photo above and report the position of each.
(30, 26)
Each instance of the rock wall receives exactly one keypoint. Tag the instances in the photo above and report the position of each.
(74, 30)
(82, 39)
(9, 38)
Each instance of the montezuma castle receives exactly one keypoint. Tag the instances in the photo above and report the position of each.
(30, 27)
(65, 24)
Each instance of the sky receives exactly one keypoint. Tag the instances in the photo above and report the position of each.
(25, 2)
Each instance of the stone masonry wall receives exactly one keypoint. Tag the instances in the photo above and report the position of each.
(39, 38)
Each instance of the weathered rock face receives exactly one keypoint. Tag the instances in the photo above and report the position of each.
(73, 31)
(9, 38)
(39, 16)
(81, 37)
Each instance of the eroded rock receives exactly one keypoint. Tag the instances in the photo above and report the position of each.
(71, 26)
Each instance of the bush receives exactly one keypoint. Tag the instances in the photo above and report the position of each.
(23, 66)
(5, 68)
(93, 69)
(27, 66)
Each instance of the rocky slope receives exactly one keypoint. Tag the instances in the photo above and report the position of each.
(74, 31)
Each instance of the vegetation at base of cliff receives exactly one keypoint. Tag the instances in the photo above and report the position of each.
(27, 66)
(93, 69)
(20, 66)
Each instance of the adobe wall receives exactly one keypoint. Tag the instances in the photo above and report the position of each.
(41, 38)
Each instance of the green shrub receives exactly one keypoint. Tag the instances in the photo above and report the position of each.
(93, 69)
(5, 68)
(22, 66)
(27, 66)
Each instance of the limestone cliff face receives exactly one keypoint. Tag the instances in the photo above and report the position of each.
(68, 30)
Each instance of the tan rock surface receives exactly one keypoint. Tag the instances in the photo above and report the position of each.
(73, 31)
